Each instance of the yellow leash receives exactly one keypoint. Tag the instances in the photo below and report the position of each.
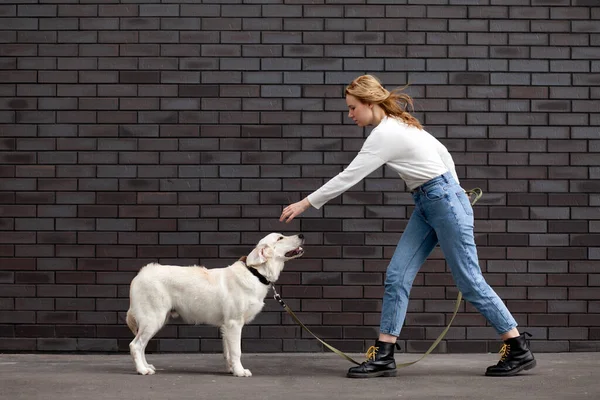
(477, 192)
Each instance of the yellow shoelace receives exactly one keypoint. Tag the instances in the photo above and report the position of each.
(372, 352)
(504, 351)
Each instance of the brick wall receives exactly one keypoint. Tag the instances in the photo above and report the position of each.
(176, 131)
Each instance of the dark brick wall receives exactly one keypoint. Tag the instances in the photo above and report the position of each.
(176, 131)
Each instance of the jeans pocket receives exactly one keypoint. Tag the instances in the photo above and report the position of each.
(463, 199)
(435, 192)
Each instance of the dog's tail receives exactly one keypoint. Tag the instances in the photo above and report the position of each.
(131, 322)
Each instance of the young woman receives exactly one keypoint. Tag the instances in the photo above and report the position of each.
(442, 214)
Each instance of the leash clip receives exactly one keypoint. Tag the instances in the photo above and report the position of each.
(277, 297)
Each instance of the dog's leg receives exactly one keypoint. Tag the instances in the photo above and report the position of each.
(137, 347)
(226, 351)
(232, 333)
(137, 350)
(132, 323)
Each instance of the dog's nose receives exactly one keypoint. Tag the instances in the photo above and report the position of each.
(301, 236)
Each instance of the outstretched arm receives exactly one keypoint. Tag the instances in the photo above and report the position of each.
(362, 165)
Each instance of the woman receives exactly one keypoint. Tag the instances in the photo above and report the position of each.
(442, 214)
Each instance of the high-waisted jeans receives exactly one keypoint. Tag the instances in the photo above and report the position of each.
(442, 214)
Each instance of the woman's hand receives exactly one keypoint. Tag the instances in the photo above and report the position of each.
(293, 210)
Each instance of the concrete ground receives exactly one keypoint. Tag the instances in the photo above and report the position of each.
(291, 377)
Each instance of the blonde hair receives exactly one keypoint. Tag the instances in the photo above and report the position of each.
(368, 89)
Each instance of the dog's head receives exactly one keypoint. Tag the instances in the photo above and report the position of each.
(273, 251)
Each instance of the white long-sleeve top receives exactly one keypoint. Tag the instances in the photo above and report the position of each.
(414, 154)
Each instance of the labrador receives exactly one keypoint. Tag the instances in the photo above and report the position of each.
(226, 297)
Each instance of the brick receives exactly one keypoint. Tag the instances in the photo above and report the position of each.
(570, 13)
(509, 52)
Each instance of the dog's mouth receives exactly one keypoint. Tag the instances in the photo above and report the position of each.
(297, 252)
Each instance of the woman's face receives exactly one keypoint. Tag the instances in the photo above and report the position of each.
(361, 113)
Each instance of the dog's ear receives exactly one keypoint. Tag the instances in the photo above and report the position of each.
(259, 255)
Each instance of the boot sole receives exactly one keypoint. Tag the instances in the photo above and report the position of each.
(373, 374)
(530, 365)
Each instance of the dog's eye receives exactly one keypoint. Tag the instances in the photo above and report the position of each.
(280, 238)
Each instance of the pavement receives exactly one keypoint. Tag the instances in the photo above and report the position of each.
(291, 377)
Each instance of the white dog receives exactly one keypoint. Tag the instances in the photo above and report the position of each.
(226, 297)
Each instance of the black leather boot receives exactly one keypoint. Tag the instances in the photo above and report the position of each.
(516, 357)
(380, 362)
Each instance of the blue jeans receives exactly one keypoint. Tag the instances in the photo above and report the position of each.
(442, 214)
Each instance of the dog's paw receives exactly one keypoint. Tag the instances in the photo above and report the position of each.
(150, 366)
(146, 371)
(242, 372)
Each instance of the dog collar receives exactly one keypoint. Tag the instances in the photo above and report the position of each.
(257, 274)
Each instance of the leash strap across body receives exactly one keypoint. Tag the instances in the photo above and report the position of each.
(477, 192)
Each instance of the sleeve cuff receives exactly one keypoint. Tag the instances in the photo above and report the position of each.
(314, 201)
